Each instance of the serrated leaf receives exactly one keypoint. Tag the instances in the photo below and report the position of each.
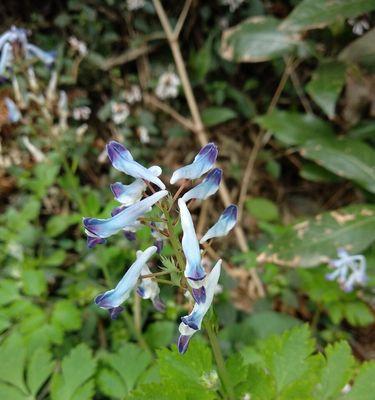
(257, 39)
(364, 384)
(347, 158)
(315, 240)
(293, 128)
(76, 369)
(325, 86)
(217, 115)
(39, 368)
(111, 384)
(13, 359)
(310, 14)
(337, 371)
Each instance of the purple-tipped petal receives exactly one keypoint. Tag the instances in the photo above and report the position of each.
(199, 294)
(130, 235)
(191, 322)
(47, 57)
(115, 312)
(183, 343)
(202, 163)
(117, 210)
(224, 225)
(93, 241)
(206, 188)
(159, 245)
(123, 161)
(141, 291)
(158, 304)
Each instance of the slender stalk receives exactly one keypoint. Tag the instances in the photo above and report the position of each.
(223, 373)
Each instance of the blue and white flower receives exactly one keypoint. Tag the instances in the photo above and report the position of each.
(193, 322)
(149, 289)
(349, 270)
(112, 299)
(224, 225)
(123, 161)
(206, 188)
(194, 271)
(14, 114)
(202, 163)
(98, 230)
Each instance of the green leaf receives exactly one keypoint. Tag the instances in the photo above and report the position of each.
(257, 39)
(314, 173)
(13, 359)
(310, 14)
(262, 209)
(325, 86)
(8, 291)
(8, 392)
(360, 51)
(217, 115)
(111, 384)
(358, 314)
(315, 240)
(348, 158)
(337, 372)
(39, 368)
(160, 334)
(58, 224)
(34, 282)
(66, 315)
(364, 384)
(294, 128)
(76, 369)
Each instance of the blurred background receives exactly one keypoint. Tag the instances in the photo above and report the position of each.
(286, 89)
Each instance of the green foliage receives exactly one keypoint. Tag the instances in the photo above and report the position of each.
(262, 209)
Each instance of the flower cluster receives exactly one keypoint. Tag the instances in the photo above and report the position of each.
(14, 44)
(130, 215)
(349, 270)
(167, 87)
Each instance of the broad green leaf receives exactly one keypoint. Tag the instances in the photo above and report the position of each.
(262, 209)
(111, 384)
(315, 173)
(60, 223)
(257, 39)
(39, 368)
(13, 359)
(160, 333)
(360, 51)
(8, 291)
(66, 315)
(5, 323)
(76, 369)
(294, 128)
(337, 371)
(261, 385)
(364, 384)
(348, 158)
(310, 14)
(358, 314)
(217, 115)
(325, 86)
(315, 240)
(85, 392)
(34, 282)
(8, 392)
(130, 372)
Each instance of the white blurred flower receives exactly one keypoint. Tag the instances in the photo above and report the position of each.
(120, 112)
(233, 4)
(144, 136)
(359, 25)
(34, 151)
(346, 389)
(133, 94)
(81, 113)
(167, 86)
(135, 4)
(78, 46)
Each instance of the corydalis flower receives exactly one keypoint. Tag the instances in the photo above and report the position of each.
(225, 223)
(206, 188)
(149, 289)
(349, 270)
(156, 231)
(202, 163)
(194, 271)
(130, 194)
(13, 42)
(193, 322)
(112, 299)
(123, 161)
(98, 230)
(167, 86)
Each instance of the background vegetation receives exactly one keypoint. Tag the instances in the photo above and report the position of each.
(286, 91)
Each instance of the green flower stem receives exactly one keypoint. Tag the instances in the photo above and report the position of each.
(223, 373)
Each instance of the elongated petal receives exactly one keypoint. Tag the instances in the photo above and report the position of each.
(193, 322)
(190, 246)
(202, 163)
(123, 161)
(6, 58)
(206, 188)
(47, 57)
(225, 223)
(104, 228)
(14, 114)
(6, 37)
(115, 297)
